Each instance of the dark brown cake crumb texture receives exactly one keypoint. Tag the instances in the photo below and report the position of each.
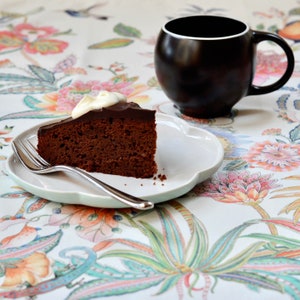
(127, 148)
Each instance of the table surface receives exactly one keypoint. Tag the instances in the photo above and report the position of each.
(235, 235)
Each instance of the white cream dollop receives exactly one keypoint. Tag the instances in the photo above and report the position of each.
(103, 99)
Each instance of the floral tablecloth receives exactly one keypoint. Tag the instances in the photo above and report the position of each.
(235, 236)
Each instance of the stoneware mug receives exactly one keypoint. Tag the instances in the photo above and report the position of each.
(206, 64)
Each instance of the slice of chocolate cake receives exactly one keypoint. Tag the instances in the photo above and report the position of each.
(119, 139)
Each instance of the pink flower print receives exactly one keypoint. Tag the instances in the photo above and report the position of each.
(69, 96)
(242, 188)
(10, 41)
(45, 47)
(238, 187)
(27, 30)
(66, 98)
(274, 156)
(269, 63)
(272, 131)
(31, 39)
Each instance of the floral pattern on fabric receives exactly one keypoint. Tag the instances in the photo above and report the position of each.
(176, 251)
(31, 39)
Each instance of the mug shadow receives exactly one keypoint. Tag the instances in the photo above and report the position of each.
(242, 117)
(253, 117)
(247, 112)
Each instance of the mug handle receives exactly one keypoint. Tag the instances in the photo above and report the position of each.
(260, 36)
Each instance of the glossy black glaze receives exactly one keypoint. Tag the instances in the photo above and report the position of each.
(208, 65)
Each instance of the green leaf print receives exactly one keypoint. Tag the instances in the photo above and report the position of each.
(295, 134)
(128, 31)
(42, 73)
(112, 43)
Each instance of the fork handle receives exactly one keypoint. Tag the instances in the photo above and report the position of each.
(125, 198)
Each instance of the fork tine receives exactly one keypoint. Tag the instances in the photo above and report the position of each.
(29, 154)
(23, 155)
(36, 155)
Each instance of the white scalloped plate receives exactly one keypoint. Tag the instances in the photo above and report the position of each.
(186, 155)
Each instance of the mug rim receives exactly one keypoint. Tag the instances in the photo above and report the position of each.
(176, 35)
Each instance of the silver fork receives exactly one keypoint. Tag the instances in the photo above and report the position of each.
(31, 160)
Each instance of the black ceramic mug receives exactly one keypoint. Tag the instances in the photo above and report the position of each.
(206, 64)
